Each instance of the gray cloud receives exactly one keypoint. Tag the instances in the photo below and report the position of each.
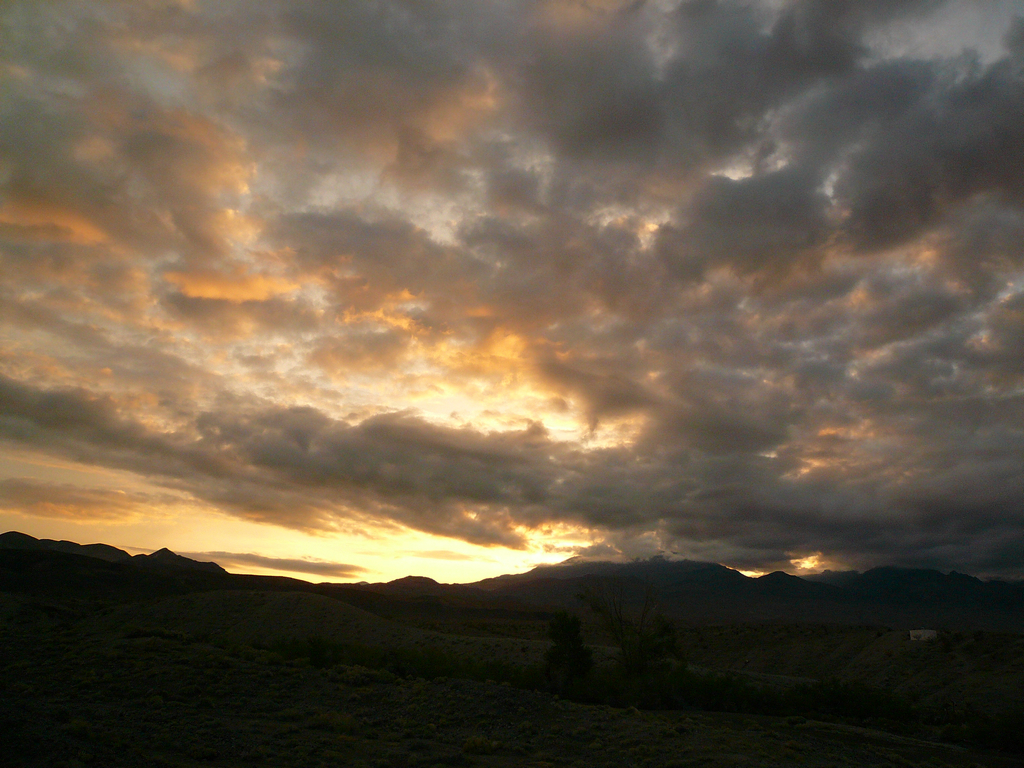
(739, 280)
(764, 223)
(293, 466)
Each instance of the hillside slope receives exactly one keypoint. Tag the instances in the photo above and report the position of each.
(262, 618)
(957, 671)
(125, 699)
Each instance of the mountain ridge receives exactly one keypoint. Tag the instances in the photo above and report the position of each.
(162, 559)
(692, 593)
(695, 593)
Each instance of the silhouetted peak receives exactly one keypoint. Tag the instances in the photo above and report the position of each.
(18, 540)
(414, 581)
(165, 558)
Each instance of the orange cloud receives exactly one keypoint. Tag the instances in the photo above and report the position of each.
(45, 220)
(70, 502)
(236, 285)
(198, 152)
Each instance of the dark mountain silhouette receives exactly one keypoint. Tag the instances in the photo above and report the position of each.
(780, 584)
(70, 571)
(16, 540)
(162, 559)
(690, 592)
(695, 593)
(423, 586)
(657, 570)
(835, 578)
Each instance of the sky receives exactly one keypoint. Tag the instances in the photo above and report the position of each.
(361, 289)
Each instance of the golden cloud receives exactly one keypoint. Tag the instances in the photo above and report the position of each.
(34, 219)
(236, 285)
(69, 502)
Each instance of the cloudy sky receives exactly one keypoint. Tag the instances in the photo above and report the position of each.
(368, 288)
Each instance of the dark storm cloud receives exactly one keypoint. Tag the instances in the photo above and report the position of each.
(768, 261)
(770, 221)
(689, 84)
(606, 394)
(294, 466)
(413, 55)
(962, 141)
(286, 464)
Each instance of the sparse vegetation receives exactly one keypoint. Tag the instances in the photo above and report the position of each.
(186, 681)
(669, 688)
(672, 688)
(643, 637)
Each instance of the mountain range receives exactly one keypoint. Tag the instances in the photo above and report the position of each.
(699, 593)
(691, 593)
(162, 559)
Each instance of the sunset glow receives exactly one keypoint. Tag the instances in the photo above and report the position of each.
(349, 291)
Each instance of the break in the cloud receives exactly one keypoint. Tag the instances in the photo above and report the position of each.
(737, 280)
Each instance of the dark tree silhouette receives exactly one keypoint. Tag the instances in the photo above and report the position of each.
(643, 636)
(568, 658)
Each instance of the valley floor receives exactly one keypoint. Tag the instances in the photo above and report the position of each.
(75, 694)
